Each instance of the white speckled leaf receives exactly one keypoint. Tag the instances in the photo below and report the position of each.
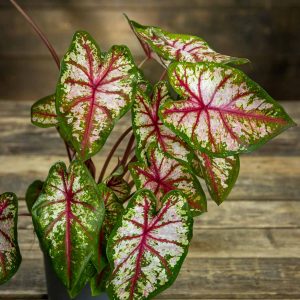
(148, 128)
(220, 174)
(67, 217)
(165, 174)
(94, 91)
(43, 112)
(167, 47)
(224, 112)
(10, 257)
(147, 248)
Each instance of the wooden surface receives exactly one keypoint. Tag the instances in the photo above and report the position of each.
(248, 248)
(265, 31)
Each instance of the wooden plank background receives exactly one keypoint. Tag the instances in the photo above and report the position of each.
(265, 31)
(248, 248)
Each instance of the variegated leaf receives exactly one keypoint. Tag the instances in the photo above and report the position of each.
(10, 257)
(67, 217)
(220, 174)
(93, 92)
(165, 174)
(170, 47)
(147, 248)
(33, 193)
(148, 128)
(43, 112)
(224, 112)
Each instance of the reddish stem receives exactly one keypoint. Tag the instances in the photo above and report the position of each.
(164, 73)
(38, 31)
(111, 153)
(48, 45)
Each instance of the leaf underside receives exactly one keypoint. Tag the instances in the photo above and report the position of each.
(168, 47)
(164, 174)
(67, 218)
(119, 187)
(10, 257)
(33, 193)
(223, 112)
(94, 91)
(148, 128)
(146, 249)
(113, 211)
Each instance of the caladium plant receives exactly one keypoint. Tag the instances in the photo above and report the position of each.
(128, 232)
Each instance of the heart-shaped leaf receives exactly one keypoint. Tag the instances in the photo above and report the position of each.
(147, 248)
(171, 47)
(67, 217)
(220, 174)
(10, 257)
(148, 128)
(33, 193)
(224, 111)
(165, 174)
(43, 112)
(94, 91)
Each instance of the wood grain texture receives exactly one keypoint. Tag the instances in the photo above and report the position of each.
(265, 31)
(248, 248)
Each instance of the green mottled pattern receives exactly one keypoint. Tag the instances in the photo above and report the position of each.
(220, 174)
(43, 112)
(10, 257)
(148, 128)
(146, 249)
(222, 111)
(93, 92)
(168, 47)
(67, 217)
(164, 174)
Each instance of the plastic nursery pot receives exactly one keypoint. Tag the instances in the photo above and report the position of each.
(56, 290)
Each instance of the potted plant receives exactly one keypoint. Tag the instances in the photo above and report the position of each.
(122, 237)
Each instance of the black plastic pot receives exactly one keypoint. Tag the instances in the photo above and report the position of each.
(56, 290)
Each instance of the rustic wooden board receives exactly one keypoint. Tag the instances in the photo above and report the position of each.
(267, 34)
(200, 278)
(142, 4)
(248, 248)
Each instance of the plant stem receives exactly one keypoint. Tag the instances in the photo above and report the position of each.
(38, 31)
(111, 153)
(164, 73)
(143, 61)
(128, 150)
(133, 159)
(50, 48)
(24, 215)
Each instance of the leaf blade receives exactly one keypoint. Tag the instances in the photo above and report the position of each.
(164, 174)
(168, 47)
(94, 91)
(67, 218)
(43, 112)
(145, 236)
(224, 112)
(10, 256)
